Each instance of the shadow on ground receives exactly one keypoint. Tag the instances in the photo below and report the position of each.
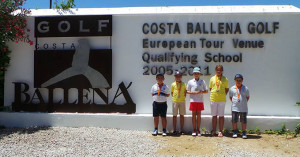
(30, 130)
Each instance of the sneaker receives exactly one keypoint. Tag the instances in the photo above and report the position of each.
(164, 133)
(213, 133)
(194, 133)
(175, 132)
(198, 133)
(220, 134)
(182, 133)
(244, 135)
(234, 134)
(155, 131)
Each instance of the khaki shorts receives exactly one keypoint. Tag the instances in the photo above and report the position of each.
(217, 108)
(178, 106)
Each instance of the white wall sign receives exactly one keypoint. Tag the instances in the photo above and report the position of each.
(260, 42)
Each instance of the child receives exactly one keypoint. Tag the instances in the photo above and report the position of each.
(239, 96)
(218, 86)
(178, 93)
(160, 92)
(196, 88)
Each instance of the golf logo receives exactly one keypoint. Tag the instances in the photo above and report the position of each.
(85, 69)
(80, 67)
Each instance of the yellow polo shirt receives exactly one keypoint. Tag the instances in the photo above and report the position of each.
(221, 95)
(174, 90)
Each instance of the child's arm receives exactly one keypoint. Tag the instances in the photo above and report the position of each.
(172, 89)
(226, 90)
(204, 87)
(230, 95)
(204, 92)
(226, 86)
(189, 92)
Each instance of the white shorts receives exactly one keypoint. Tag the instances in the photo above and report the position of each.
(179, 106)
(217, 108)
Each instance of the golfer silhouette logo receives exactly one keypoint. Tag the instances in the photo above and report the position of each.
(80, 67)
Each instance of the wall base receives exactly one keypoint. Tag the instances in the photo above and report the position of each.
(130, 121)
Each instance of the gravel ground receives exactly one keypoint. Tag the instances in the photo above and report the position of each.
(82, 141)
(94, 141)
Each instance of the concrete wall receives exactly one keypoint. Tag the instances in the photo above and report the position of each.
(133, 122)
(271, 73)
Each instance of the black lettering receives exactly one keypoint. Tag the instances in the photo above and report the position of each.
(176, 29)
(275, 26)
(260, 28)
(154, 28)
(19, 92)
(221, 28)
(260, 44)
(162, 28)
(211, 29)
(170, 27)
(145, 28)
(146, 57)
(145, 43)
(238, 29)
(39, 97)
(251, 28)
(189, 28)
(208, 57)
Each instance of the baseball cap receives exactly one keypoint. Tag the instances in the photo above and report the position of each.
(197, 70)
(238, 76)
(159, 74)
(178, 73)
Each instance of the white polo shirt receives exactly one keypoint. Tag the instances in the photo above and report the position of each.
(194, 86)
(163, 94)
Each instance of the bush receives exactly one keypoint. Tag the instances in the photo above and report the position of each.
(12, 28)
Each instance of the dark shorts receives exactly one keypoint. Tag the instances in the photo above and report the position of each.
(159, 109)
(236, 115)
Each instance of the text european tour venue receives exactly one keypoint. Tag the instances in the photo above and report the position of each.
(95, 67)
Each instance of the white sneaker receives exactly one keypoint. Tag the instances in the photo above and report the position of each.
(244, 135)
(155, 131)
(198, 133)
(194, 133)
(164, 133)
(234, 135)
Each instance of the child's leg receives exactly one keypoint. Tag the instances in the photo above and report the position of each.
(194, 119)
(182, 112)
(221, 123)
(214, 123)
(234, 126)
(198, 120)
(175, 113)
(164, 122)
(244, 126)
(174, 122)
(156, 122)
(244, 120)
(181, 122)
(214, 113)
(221, 109)
(234, 119)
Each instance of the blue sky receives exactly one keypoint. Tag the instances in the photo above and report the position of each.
(44, 4)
